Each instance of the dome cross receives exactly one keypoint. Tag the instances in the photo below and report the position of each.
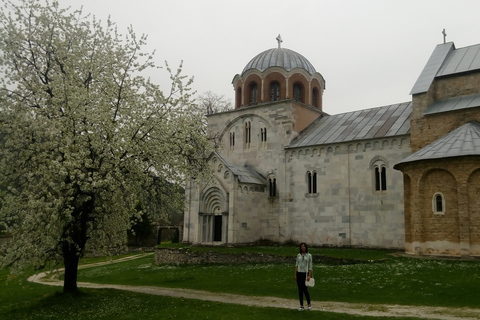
(279, 40)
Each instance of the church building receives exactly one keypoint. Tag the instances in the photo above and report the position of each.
(403, 176)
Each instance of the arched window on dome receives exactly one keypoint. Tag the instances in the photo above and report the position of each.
(315, 98)
(298, 92)
(253, 93)
(238, 98)
(274, 91)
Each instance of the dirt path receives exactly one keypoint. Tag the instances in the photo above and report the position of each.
(378, 310)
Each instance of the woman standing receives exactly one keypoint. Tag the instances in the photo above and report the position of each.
(303, 271)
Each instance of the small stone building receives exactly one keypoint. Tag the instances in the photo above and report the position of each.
(284, 170)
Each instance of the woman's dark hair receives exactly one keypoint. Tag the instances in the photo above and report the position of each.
(300, 247)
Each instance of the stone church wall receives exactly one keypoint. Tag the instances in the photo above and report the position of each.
(347, 210)
(249, 218)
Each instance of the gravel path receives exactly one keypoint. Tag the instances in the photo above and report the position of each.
(378, 310)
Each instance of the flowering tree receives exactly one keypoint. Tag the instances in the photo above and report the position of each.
(85, 136)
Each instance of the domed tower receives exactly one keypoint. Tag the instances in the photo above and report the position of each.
(278, 74)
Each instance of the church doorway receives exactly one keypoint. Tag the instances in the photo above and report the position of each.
(213, 228)
(217, 228)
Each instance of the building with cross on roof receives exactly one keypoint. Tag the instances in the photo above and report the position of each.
(403, 176)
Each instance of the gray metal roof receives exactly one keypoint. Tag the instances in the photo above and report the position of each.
(387, 121)
(463, 141)
(447, 60)
(244, 174)
(431, 68)
(456, 103)
(461, 60)
(279, 57)
(248, 175)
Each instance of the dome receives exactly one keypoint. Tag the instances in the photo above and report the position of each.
(279, 57)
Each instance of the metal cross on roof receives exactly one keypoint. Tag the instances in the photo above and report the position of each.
(444, 36)
(279, 39)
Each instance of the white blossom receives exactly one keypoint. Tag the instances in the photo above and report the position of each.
(84, 135)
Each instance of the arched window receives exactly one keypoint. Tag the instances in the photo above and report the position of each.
(248, 133)
(272, 187)
(298, 92)
(232, 139)
(438, 203)
(263, 134)
(253, 93)
(312, 182)
(274, 91)
(238, 98)
(380, 176)
(315, 98)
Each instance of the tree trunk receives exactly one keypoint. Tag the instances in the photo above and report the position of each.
(70, 259)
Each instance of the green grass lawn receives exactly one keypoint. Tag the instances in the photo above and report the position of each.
(389, 279)
(408, 281)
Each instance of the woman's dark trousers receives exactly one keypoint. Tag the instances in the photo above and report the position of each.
(302, 288)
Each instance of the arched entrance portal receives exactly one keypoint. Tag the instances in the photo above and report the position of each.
(213, 221)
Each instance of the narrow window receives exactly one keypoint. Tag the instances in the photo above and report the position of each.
(238, 98)
(273, 187)
(275, 91)
(263, 134)
(253, 93)
(297, 92)
(232, 139)
(312, 182)
(377, 179)
(315, 98)
(309, 181)
(438, 203)
(380, 176)
(248, 133)
(383, 179)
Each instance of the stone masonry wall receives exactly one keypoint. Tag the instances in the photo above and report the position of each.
(346, 210)
(457, 231)
(428, 128)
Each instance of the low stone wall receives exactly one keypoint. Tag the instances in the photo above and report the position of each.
(184, 256)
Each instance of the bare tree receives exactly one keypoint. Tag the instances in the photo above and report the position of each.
(214, 103)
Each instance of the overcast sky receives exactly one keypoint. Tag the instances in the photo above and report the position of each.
(370, 52)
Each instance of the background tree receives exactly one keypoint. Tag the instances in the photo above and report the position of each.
(213, 103)
(85, 134)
